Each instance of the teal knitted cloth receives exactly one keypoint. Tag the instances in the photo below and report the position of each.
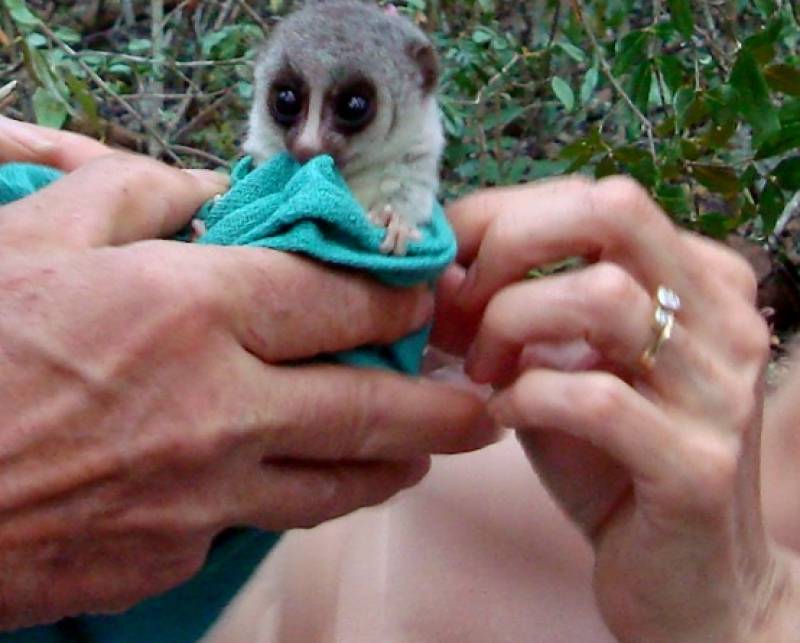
(306, 209)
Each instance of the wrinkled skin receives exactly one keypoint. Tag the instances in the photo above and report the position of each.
(145, 404)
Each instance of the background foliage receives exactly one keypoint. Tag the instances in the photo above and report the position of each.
(697, 99)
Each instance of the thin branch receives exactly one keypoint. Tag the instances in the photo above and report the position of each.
(110, 91)
(254, 16)
(202, 154)
(146, 60)
(791, 211)
(155, 82)
(648, 126)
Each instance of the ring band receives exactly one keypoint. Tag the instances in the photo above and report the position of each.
(667, 303)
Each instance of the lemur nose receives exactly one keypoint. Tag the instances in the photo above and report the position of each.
(304, 153)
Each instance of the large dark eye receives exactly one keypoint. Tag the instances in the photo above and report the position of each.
(286, 104)
(355, 108)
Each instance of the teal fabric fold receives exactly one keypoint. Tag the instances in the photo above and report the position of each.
(281, 205)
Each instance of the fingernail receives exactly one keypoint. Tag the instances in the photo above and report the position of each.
(216, 181)
(26, 135)
(426, 306)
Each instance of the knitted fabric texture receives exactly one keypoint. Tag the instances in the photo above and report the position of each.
(282, 205)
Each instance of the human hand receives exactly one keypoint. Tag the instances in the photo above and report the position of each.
(658, 466)
(146, 401)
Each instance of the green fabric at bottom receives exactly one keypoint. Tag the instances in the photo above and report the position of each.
(182, 614)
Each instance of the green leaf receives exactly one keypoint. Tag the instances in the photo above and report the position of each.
(717, 225)
(80, 90)
(482, 35)
(790, 112)
(785, 139)
(690, 108)
(572, 51)
(503, 117)
(49, 110)
(717, 178)
(671, 71)
(770, 206)
(762, 44)
(20, 13)
(787, 174)
(674, 199)
(630, 155)
(783, 78)
(641, 84)
(682, 16)
(544, 168)
(632, 49)
(606, 167)
(563, 92)
(589, 84)
(754, 105)
(592, 143)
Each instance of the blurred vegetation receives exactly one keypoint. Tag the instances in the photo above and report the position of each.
(699, 100)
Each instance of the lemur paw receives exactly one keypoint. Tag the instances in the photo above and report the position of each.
(198, 230)
(398, 231)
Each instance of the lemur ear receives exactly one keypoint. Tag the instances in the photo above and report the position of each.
(424, 54)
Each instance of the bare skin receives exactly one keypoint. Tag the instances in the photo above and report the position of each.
(145, 403)
(658, 467)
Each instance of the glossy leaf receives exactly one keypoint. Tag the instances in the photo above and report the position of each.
(682, 18)
(787, 174)
(754, 100)
(783, 78)
(717, 178)
(564, 93)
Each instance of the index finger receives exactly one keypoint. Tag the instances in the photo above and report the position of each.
(27, 143)
(612, 220)
(288, 308)
(115, 199)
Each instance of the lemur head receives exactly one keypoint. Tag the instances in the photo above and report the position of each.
(342, 78)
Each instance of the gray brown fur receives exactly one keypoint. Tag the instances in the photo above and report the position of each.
(392, 165)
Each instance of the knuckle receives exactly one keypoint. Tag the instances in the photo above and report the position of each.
(496, 320)
(742, 276)
(750, 337)
(617, 199)
(608, 283)
(604, 401)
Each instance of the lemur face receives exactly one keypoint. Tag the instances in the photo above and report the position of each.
(327, 117)
(342, 78)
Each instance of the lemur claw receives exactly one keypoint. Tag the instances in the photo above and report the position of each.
(398, 232)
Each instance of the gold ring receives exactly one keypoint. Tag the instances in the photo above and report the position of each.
(667, 303)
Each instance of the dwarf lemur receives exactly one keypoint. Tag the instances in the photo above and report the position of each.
(357, 82)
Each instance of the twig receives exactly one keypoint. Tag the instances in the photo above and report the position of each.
(222, 17)
(155, 83)
(169, 63)
(254, 16)
(648, 126)
(7, 89)
(110, 91)
(128, 13)
(207, 156)
(554, 27)
(791, 211)
(202, 117)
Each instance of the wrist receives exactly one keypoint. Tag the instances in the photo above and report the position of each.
(775, 613)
